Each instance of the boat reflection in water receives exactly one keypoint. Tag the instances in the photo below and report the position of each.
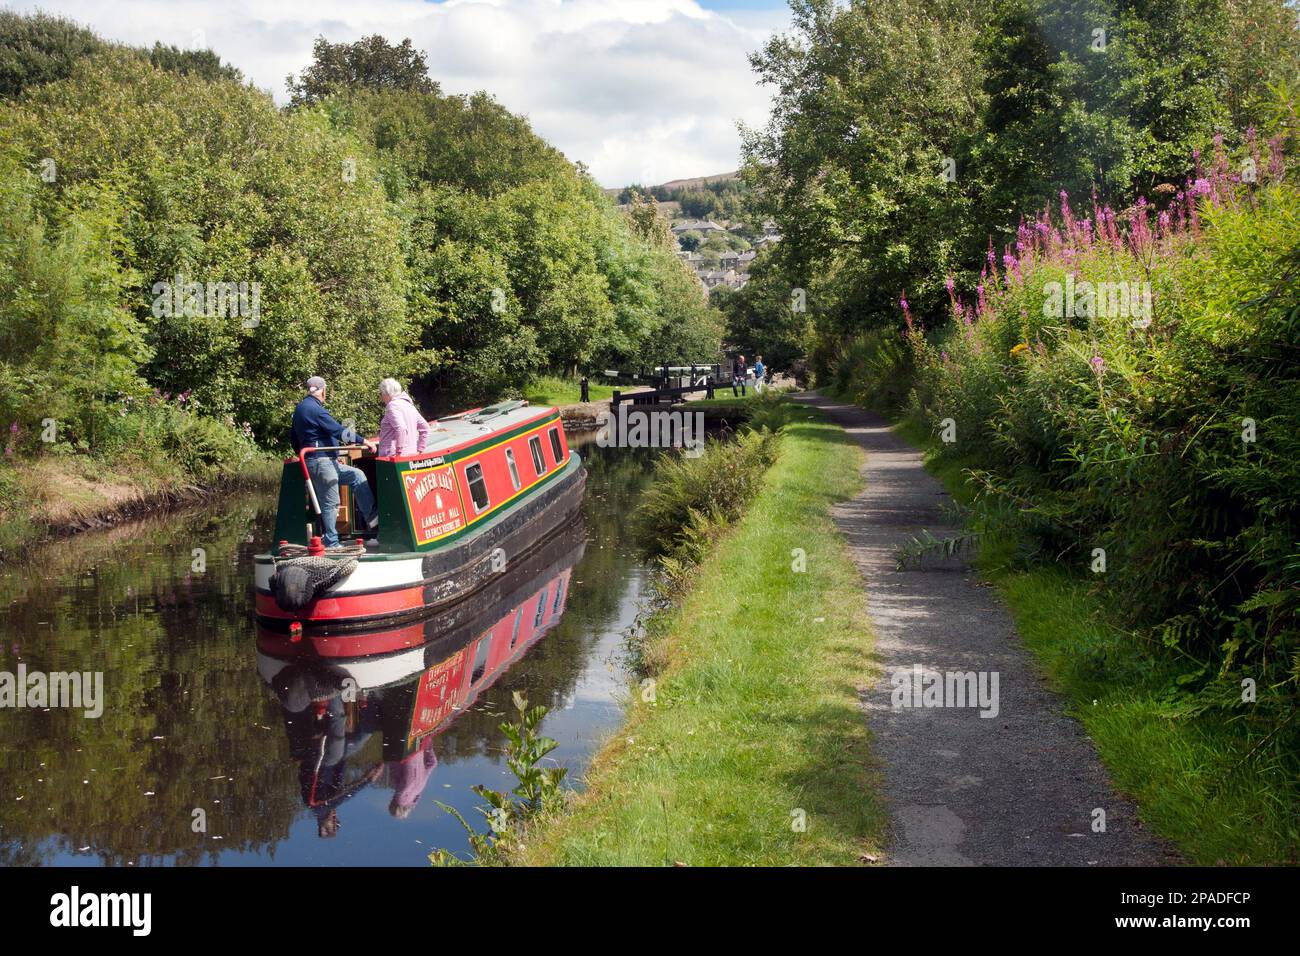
(407, 683)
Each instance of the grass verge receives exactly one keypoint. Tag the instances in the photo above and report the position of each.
(553, 390)
(1194, 777)
(754, 749)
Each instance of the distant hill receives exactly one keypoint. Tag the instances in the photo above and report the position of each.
(699, 182)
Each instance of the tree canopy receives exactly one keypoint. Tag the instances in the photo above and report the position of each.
(377, 227)
(370, 63)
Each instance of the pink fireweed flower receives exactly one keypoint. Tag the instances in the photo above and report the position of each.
(1066, 213)
(1098, 364)
(907, 312)
(1275, 163)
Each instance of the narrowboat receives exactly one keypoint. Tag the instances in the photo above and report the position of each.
(410, 681)
(492, 484)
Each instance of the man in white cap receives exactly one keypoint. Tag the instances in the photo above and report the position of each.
(314, 427)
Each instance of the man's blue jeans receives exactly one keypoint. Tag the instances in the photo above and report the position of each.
(326, 475)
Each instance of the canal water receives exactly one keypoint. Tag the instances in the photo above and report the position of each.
(210, 751)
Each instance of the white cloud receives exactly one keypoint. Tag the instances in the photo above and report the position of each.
(639, 90)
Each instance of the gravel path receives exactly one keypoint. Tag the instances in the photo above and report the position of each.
(1018, 788)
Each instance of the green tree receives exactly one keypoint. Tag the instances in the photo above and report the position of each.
(765, 316)
(698, 203)
(303, 217)
(38, 49)
(202, 63)
(369, 63)
(860, 192)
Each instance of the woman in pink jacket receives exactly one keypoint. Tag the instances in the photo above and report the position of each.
(403, 430)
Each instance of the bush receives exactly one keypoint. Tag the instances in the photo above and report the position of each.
(874, 369)
(690, 499)
(1174, 447)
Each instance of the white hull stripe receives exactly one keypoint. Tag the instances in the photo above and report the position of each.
(368, 673)
(368, 576)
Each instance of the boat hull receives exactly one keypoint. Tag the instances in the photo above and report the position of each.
(386, 588)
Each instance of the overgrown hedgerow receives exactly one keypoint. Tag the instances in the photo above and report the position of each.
(1159, 459)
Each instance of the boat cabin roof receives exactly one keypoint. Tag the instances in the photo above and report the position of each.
(453, 431)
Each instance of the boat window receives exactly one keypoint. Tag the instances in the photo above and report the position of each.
(541, 609)
(539, 462)
(477, 486)
(481, 657)
(559, 595)
(556, 447)
(514, 634)
(514, 471)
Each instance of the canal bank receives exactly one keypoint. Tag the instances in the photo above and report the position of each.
(749, 745)
(56, 496)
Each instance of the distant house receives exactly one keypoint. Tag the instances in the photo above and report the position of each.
(770, 228)
(729, 259)
(716, 277)
(702, 226)
(744, 259)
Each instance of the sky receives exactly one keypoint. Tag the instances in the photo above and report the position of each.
(640, 90)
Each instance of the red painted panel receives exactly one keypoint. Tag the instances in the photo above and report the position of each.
(438, 695)
(366, 644)
(346, 606)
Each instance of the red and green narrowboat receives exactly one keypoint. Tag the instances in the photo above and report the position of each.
(490, 487)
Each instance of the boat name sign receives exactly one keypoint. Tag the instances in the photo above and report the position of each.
(433, 514)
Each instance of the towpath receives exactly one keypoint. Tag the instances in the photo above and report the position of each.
(1021, 788)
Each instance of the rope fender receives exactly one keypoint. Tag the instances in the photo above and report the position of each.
(299, 581)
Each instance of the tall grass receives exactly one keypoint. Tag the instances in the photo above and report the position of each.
(691, 500)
